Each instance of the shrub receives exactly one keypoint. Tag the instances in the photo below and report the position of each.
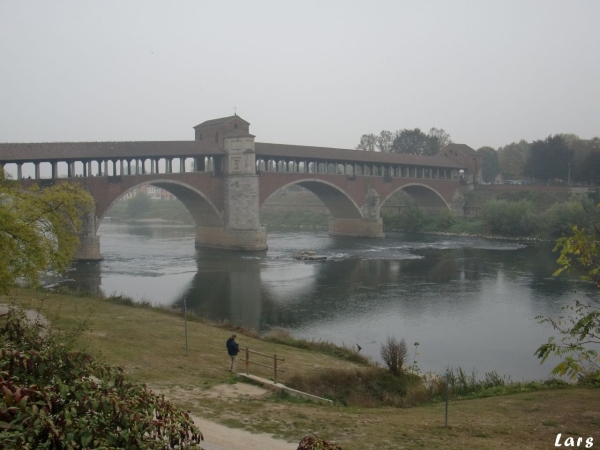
(560, 219)
(412, 220)
(445, 220)
(368, 388)
(394, 354)
(510, 218)
(55, 397)
(314, 443)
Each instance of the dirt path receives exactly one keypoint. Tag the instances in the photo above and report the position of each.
(219, 437)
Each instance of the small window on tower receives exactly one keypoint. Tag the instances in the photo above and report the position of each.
(235, 126)
(216, 136)
(200, 136)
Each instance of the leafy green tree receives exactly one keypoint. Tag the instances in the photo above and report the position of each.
(549, 159)
(579, 328)
(138, 205)
(512, 159)
(413, 142)
(38, 229)
(490, 165)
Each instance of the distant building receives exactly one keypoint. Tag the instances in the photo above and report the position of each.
(466, 156)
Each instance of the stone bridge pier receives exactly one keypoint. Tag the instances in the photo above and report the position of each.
(241, 228)
(369, 225)
(89, 242)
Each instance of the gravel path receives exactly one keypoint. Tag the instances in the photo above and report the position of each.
(219, 437)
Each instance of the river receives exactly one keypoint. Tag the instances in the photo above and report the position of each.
(468, 302)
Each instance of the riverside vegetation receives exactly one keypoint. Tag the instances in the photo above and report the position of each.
(148, 342)
(515, 215)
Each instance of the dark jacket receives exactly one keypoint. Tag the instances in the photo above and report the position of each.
(232, 347)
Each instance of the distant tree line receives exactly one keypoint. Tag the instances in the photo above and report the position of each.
(409, 141)
(560, 158)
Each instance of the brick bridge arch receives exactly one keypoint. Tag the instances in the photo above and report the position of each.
(423, 194)
(339, 203)
(200, 207)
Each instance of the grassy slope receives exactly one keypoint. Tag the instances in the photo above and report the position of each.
(150, 343)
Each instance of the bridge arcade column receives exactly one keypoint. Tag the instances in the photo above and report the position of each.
(371, 225)
(241, 216)
(89, 242)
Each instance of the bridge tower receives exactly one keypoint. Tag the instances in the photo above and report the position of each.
(241, 214)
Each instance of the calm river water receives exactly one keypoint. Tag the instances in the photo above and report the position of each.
(468, 302)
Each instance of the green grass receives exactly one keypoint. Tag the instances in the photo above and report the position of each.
(149, 343)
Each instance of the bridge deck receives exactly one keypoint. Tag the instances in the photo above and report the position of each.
(91, 151)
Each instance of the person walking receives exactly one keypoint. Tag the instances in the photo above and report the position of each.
(233, 349)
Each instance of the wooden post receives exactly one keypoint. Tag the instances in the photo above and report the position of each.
(275, 368)
(247, 361)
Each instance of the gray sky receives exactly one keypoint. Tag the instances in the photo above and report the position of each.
(301, 72)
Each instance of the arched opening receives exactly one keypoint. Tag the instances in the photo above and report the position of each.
(406, 197)
(186, 204)
(307, 204)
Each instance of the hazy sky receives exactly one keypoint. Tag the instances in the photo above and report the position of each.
(301, 72)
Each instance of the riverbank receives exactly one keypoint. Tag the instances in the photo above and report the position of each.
(150, 343)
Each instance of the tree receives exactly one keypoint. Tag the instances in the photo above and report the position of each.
(585, 166)
(549, 159)
(512, 159)
(367, 143)
(38, 229)
(384, 141)
(412, 142)
(579, 329)
(490, 166)
(138, 205)
(415, 142)
(438, 139)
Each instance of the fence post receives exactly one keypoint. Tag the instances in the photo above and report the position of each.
(447, 394)
(275, 368)
(247, 361)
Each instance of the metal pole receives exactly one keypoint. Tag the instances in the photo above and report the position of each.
(447, 383)
(247, 361)
(185, 321)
